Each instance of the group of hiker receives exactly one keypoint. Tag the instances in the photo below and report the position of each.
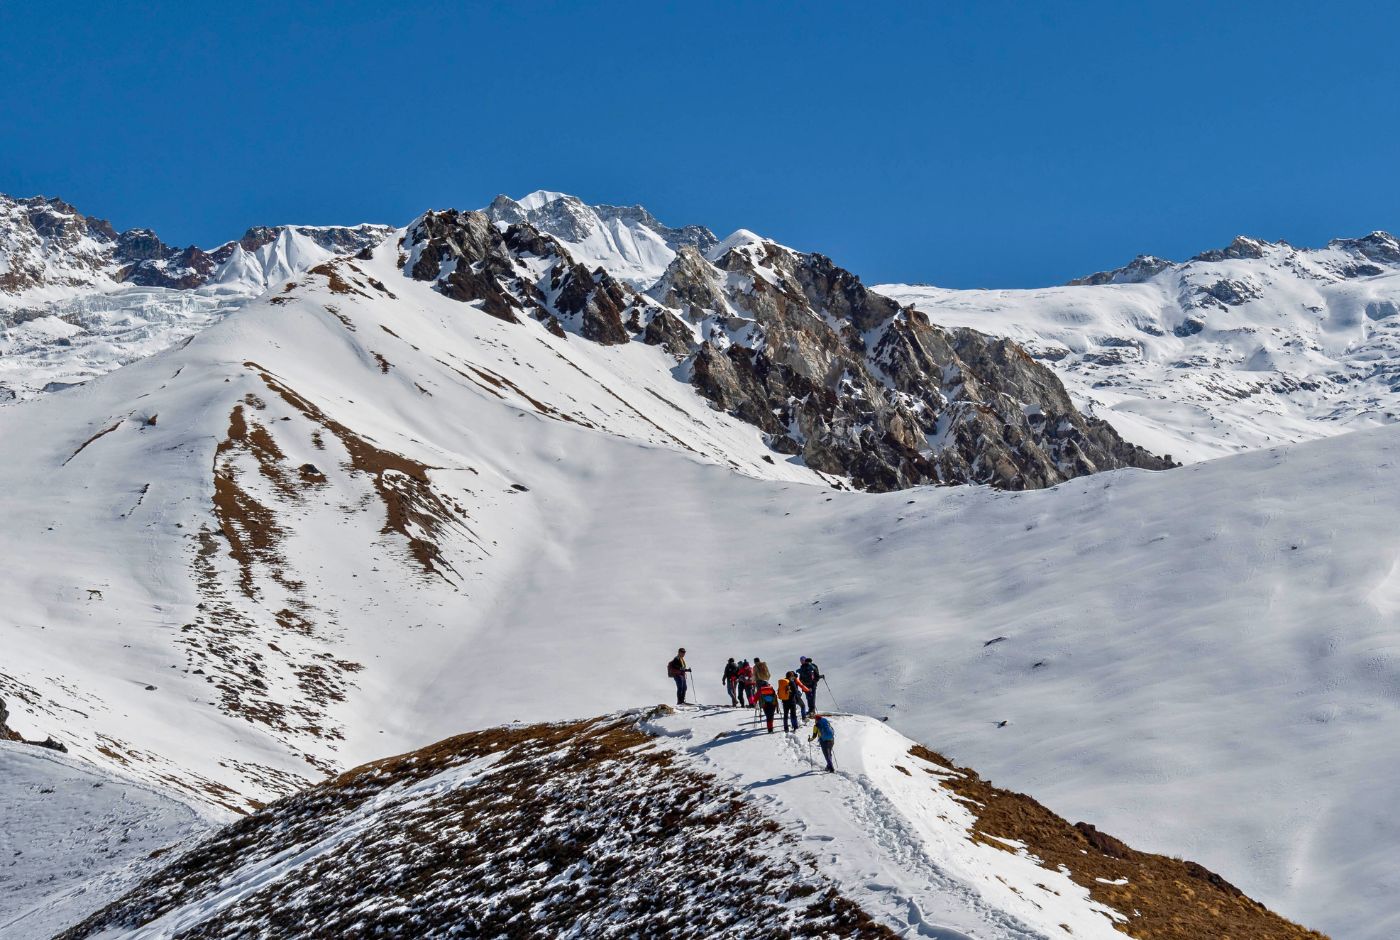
(750, 685)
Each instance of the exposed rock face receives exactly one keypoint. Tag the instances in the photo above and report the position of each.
(521, 271)
(694, 236)
(47, 241)
(1134, 272)
(1242, 247)
(848, 380)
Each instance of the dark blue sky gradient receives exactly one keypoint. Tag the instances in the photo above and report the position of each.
(977, 144)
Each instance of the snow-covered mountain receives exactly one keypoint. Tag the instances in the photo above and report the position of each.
(463, 478)
(1255, 344)
(843, 379)
(78, 298)
(626, 241)
(644, 825)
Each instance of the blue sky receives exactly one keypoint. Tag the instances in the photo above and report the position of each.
(966, 145)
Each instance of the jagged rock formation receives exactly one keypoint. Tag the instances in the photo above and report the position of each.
(519, 271)
(848, 380)
(1134, 272)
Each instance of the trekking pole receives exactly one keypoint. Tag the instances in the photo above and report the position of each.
(832, 694)
(695, 690)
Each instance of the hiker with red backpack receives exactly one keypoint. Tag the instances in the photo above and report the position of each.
(677, 670)
(768, 701)
(745, 683)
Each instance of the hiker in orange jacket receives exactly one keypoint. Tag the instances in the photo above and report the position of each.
(790, 690)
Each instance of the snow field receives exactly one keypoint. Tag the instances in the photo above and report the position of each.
(74, 838)
(899, 842)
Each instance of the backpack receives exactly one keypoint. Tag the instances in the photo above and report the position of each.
(824, 730)
(766, 693)
(785, 689)
(674, 668)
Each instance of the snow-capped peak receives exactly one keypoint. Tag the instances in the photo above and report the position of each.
(626, 241)
(540, 198)
(739, 238)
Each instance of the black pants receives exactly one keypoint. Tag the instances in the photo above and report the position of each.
(790, 713)
(812, 697)
(827, 748)
(680, 688)
(733, 689)
(769, 710)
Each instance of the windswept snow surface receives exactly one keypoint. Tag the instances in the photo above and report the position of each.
(1296, 353)
(899, 843)
(73, 838)
(1201, 661)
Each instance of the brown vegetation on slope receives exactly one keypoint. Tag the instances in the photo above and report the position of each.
(414, 509)
(1163, 898)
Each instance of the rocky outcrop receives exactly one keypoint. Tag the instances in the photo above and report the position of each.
(1136, 271)
(521, 271)
(1243, 247)
(850, 381)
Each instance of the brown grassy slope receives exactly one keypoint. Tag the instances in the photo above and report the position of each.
(1163, 899)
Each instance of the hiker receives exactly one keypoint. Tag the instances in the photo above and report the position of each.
(810, 676)
(760, 670)
(790, 689)
(745, 683)
(677, 669)
(768, 700)
(824, 734)
(731, 680)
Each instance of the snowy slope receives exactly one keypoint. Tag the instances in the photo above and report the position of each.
(901, 843)
(1246, 347)
(626, 241)
(439, 498)
(596, 828)
(75, 838)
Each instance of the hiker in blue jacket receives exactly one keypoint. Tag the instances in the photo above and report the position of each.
(824, 734)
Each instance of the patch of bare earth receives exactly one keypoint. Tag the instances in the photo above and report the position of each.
(271, 670)
(414, 509)
(583, 828)
(1162, 898)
